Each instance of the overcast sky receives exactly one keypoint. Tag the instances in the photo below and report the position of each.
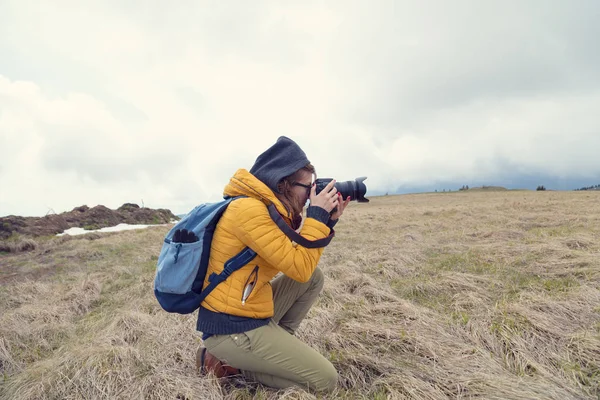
(106, 103)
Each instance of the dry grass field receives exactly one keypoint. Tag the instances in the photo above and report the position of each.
(486, 295)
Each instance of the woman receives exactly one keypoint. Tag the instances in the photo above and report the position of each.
(248, 321)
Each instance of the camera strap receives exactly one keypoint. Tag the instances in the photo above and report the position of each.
(295, 236)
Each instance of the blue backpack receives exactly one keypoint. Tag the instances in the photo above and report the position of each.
(182, 267)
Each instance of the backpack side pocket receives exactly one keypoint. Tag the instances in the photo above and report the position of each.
(177, 267)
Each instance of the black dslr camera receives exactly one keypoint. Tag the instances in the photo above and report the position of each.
(356, 189)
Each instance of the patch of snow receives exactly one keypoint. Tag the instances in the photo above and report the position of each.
(117, 228)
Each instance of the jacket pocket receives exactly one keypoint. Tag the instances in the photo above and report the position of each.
(250, 285)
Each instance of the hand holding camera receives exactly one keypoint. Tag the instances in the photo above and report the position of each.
(327, 198)
(346, 192)
(355, 189)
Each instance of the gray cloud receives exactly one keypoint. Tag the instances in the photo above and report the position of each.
(410, 60)
(167, 102)
(105, 159)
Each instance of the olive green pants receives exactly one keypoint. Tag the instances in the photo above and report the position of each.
(271, 354)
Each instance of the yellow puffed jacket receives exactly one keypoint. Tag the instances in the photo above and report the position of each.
(246, 222)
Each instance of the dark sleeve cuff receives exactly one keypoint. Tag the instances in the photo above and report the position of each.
(332, 223)
(318, 213)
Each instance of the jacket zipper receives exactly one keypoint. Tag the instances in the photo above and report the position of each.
(250, 284)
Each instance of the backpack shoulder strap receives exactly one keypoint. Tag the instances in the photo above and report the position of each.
(235, 263)
(232, 265)
(292, 234)
(295, 236)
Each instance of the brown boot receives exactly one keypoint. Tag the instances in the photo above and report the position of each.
(206, 362)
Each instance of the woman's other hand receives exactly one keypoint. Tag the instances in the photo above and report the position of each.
(342, 204)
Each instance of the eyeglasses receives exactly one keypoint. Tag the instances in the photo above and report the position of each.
(303, 185)
(307, 187)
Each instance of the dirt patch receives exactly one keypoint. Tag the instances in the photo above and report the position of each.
(83, 217)
(577, 244)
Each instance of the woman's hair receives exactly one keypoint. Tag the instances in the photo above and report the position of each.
(286, 194)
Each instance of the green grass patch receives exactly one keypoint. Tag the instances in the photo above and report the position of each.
(425, 292)
(460, 317)
(149, 267)
(515, 282)
(587, 375)
(506, 324)
(559, 285)
(120, 282)
(91, 227)
(469, 262)
(552, 232)
(379, 393)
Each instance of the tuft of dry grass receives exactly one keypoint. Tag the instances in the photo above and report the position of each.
(18, 244)
(491, 295)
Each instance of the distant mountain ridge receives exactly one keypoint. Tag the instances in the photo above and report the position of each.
(83, 217)
(511, 181)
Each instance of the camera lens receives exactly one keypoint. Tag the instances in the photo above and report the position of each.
(356, 189)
